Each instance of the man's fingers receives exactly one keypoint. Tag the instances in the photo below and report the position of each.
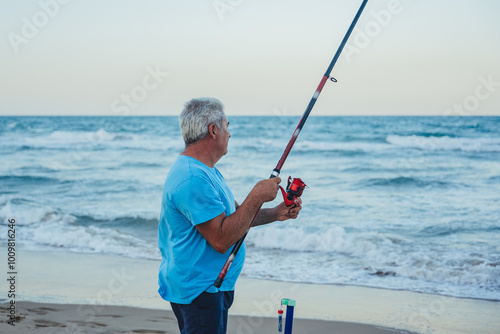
(276, 179)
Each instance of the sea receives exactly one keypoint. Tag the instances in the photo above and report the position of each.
(404, 203)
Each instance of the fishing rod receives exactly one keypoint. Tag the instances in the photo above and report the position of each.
(299, 185)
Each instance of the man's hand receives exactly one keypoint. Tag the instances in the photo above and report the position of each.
(284, 212)
(266, 190)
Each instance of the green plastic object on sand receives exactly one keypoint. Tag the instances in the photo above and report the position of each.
(288, 302)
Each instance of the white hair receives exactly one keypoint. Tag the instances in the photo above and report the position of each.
(197, 115)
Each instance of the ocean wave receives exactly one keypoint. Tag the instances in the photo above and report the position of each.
(359, 147)
(332, 239)
(256, 144)
(94, 140)
(139, 221)
(364, 138)
(355, 257)
(28, 213)
(16, 181)
(434, 134)
(47, 227)
(446, 143)
(424, 141)
(402, 181)
(458, 227)
(70, 137)
(360, 169)
(12, 125)
(62, 139)
(115, 215)
(25, 178)
(495, 178)
(91, 239)
(140, 164)
(352, 148)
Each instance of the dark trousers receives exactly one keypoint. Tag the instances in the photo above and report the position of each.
(207, 314)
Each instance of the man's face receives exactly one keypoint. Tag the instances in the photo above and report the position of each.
(223, 139)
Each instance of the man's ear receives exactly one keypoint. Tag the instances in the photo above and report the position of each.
(211, 130)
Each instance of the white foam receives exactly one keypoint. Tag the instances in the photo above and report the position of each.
(91, 240)
(337, 256)
(46, 227)
(90, 140)
(332, 239)
(81, 136)
(446, 143)
(307, 145)
(27, 214)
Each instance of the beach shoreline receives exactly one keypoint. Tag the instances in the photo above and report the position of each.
(61, 280)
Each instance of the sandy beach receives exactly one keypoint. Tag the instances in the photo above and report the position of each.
(60, 292)
(70, 318)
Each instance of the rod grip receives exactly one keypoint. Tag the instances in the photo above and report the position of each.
(218, 282)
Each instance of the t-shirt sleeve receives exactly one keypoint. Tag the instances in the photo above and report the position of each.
(198, 200)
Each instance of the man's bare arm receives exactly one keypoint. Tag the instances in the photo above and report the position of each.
(223, 231)
(278, 213)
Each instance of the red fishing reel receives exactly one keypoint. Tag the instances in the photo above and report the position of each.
(294, 189)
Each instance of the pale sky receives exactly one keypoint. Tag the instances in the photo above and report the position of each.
(260, 57)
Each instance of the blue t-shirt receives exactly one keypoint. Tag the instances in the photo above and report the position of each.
(193, 194)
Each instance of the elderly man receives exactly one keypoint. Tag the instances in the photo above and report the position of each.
(200, 221)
